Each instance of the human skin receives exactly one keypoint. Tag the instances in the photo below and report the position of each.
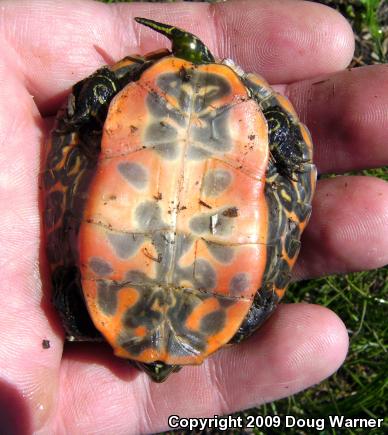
(301, 48)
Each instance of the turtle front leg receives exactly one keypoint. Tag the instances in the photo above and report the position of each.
(288, 150)
(90, 98)
(289, 140)
(88, 103)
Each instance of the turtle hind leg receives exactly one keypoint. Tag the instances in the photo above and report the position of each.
(69, 302)
(157, 371)
(263, 306)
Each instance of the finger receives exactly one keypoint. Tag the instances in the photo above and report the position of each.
(348, 230)
(284, 41)
(346, 114)
(298, 347)
(58, 43)
(28, 368)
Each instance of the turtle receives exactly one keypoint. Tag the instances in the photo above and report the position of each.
(176, 189)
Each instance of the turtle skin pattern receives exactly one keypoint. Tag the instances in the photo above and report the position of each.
(190, 245)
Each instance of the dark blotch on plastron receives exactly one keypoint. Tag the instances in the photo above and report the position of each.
(197, 153)
(215, 87)
(214, 133)
(190, 342)
(184, 100)
(168, 151)
(142, 314)
(107, 297)
(220, 224)
(100, 266)
(136, 277)
(225, 302)
(184, 274)
(216, 181)
(158, 108)
(148, 216)
(200, 224)
(134, 173)
(222, 253)
(183, 243)
(184, 342)
(125, 244)
(239, 283)
(204, 275)
(214, 224)
(171, 83)
(213, 322)
(136, 346)
(178, 313)
(160, 131)
(196, 340)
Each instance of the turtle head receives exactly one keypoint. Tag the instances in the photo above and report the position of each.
(184, 45)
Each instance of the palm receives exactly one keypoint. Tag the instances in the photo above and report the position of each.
(43, 52)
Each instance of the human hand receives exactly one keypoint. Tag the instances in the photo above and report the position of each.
(48, 46)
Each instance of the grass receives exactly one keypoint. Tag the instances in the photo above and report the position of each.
(360, 386)
(369, 17)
